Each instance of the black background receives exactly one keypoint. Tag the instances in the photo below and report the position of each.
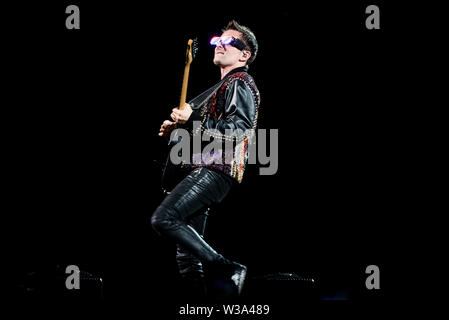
(83, 107)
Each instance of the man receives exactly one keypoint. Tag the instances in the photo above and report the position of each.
(227, 112)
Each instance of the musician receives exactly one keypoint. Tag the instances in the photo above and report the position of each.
(224, 112)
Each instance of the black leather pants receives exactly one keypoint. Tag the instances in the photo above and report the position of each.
(182, 216)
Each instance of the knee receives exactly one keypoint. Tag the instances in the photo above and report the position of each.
(160, 220)
(157, 219)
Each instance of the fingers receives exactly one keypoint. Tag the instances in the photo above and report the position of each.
(166, 127)
(180, 116)
(162, 132)
(176, 115)
(167, 123)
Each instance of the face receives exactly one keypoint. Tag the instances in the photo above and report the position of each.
(227, 55)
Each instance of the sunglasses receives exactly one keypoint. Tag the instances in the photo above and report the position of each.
(228, 40)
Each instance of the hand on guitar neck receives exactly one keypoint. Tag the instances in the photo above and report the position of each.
(179, 116)
(182, 114)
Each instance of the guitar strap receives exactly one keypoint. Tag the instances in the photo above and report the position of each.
(199, 101)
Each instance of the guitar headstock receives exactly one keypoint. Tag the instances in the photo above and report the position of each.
(192, 49)
(195, 47)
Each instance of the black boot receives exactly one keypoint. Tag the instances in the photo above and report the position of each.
(226, 278)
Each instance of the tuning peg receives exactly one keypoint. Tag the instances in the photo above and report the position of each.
(195, 47)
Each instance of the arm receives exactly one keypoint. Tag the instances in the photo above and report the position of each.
(239, 111)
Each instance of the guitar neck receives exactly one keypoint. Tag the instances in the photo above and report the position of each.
(185, 82)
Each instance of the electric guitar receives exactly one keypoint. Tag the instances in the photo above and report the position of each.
(172, 174)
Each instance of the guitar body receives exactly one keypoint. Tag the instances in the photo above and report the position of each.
(173, 174)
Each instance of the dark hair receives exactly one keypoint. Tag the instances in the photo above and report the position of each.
(248, 38)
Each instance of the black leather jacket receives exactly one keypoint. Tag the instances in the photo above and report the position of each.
(228, 111)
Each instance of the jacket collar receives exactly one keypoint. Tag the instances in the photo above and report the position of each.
(235, 70)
